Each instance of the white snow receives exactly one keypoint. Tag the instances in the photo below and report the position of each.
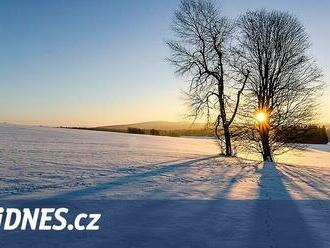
(251, 204)
(38, 162)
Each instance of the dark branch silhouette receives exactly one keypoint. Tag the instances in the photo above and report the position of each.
(202, 53)
(284, 80)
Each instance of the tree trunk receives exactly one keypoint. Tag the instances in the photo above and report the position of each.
(227, 140)
(266, 150)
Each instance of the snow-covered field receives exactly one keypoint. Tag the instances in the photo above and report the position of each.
(187, 195)
(39, 162)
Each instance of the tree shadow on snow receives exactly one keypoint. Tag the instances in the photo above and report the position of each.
(162, 168)
(276, 219)
(273, 220)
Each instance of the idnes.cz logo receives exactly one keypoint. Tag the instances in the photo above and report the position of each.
(46, 219)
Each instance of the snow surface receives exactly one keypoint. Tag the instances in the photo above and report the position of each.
(165, 191)
(38, 162)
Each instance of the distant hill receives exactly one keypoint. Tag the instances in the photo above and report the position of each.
(162, 128)
(159, 125)
(300, 134)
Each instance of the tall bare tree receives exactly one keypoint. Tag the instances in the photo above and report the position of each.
(201, 52)
(284, 79)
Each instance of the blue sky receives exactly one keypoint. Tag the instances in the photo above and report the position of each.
(103, 62)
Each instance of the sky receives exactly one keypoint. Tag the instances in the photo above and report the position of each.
(102, 62)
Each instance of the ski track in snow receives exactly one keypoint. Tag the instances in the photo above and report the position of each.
(39, 163)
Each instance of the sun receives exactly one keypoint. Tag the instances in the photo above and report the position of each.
(261, 116)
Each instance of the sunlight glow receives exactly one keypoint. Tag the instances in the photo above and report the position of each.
(261, 116)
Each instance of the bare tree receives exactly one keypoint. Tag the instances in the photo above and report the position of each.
(201, 52)
(284, 80)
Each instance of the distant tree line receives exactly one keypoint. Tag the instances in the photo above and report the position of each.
(308, 134)
(171, 133)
